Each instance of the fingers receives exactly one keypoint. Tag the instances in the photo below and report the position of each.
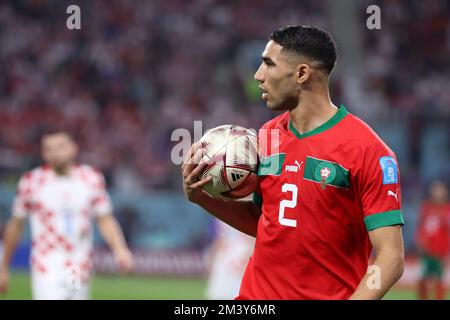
(192, 168)
(192, 159)
(198, 157)
(201, 183)
(197, 172)
(192, 151)
(126, 265)
(189, 167)
(125, 260)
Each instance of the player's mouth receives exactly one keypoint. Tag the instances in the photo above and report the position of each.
(264, 93)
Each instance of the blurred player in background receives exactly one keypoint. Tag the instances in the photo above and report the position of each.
(61, 197)
(433, 239)
(230, 253)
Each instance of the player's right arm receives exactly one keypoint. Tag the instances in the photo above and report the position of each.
(14, 228)
(241, 215)
(12, 236)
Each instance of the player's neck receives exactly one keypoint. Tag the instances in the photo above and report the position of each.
(62, 170)
(439, 202)
(312, 112)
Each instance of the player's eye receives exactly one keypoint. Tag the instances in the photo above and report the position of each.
(268, 62)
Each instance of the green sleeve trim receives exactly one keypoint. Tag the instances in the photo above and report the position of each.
(257, 199)
(383, 219)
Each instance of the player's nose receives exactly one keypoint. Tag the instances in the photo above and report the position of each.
(259, 76)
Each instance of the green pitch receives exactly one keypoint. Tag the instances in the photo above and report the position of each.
(108, 287)
(105, 287)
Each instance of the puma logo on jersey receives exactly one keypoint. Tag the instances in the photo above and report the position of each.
(391, 193)
(291, 168)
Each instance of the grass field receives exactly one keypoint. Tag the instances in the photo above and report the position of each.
(148, 288)
(107, 287)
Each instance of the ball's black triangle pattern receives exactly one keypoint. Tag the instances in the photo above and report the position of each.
(236, 176)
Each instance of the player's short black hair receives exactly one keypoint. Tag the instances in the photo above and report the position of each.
(308, 41)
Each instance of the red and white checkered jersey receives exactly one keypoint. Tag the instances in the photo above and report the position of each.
(60, 208)
(233, 247)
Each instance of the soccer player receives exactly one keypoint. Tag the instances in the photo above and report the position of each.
(433, 239)
(60, 198)
(329, 187)
(230, 253)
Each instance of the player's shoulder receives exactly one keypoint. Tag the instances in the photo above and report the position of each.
(35, 173)
(279, 122)
(360, 128)
(88, 171)
(363, 134)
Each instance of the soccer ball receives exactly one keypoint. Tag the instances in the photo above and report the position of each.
(232, 158)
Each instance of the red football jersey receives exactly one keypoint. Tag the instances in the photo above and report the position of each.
(321, 192)
(434, 229)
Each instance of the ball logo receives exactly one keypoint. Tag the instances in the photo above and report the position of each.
(236, 176)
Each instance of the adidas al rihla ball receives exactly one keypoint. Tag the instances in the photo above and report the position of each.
(232, 155)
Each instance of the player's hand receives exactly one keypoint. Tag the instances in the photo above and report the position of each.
(4, 280)
(191, 169)
(124, 259)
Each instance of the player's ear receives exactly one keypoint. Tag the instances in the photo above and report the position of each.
(303, 73)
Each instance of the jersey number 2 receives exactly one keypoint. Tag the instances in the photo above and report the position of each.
(288, 204)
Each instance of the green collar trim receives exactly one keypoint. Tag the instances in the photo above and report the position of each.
(340, 114)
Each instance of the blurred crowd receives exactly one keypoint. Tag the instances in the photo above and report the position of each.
(137, 70)
(407, 61)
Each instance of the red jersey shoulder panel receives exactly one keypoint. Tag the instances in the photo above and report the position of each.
(279, 122)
